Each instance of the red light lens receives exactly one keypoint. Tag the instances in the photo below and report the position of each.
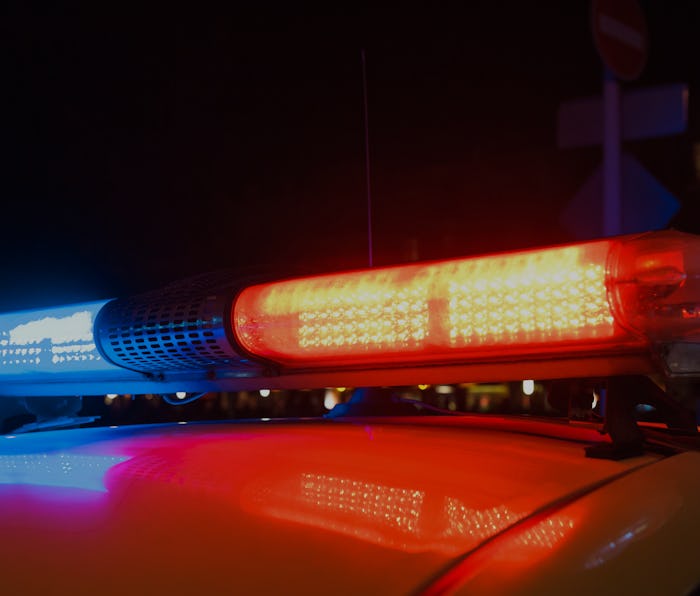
(526, 302)
(655, 284)
(535, 297)
(354, 315)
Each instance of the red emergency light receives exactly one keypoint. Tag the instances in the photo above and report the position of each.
(607, 295)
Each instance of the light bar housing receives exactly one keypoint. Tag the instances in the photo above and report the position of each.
(603, 297)
(618, 306)
(528, 302)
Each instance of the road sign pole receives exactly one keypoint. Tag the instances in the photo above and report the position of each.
(612, 203)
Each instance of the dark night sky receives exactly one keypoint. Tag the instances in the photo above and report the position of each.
(143, 148)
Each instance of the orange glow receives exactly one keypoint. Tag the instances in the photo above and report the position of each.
(375, 508)
(535, 297)
(522, 302)
(394, 507)
(399, 517)
(478, 524)
(481, 524)
(360, 313)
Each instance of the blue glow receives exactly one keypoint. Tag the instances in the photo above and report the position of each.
(54, 340)
(59, 470)
(614, 547)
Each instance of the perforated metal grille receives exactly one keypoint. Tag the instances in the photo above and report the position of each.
(178, 328)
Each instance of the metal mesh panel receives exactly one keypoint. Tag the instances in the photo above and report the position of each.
(181, 327)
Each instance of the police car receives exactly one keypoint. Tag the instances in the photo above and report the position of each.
(374, 497)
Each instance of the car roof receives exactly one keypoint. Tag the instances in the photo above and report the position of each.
(327, 505)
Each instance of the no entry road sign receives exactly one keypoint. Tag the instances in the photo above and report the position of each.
(620, 35)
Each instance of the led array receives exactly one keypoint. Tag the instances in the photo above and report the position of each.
(76, 327)
(445, 310)
(363, 314)
(54, 340)
(60, 354)
(529, 297)
(20, 356)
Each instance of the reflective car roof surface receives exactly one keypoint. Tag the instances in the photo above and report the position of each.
(319, 506)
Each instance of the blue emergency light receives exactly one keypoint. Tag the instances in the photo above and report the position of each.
(50, 342)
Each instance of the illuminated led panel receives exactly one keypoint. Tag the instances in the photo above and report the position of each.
(55, 340)
(362, 313)
(516, 303)
(545, 296)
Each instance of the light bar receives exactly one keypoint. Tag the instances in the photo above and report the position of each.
(608, 294)
(607, 302)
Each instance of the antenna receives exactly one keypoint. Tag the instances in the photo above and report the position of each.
(369, 191)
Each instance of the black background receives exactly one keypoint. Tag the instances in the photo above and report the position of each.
(144, 147)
